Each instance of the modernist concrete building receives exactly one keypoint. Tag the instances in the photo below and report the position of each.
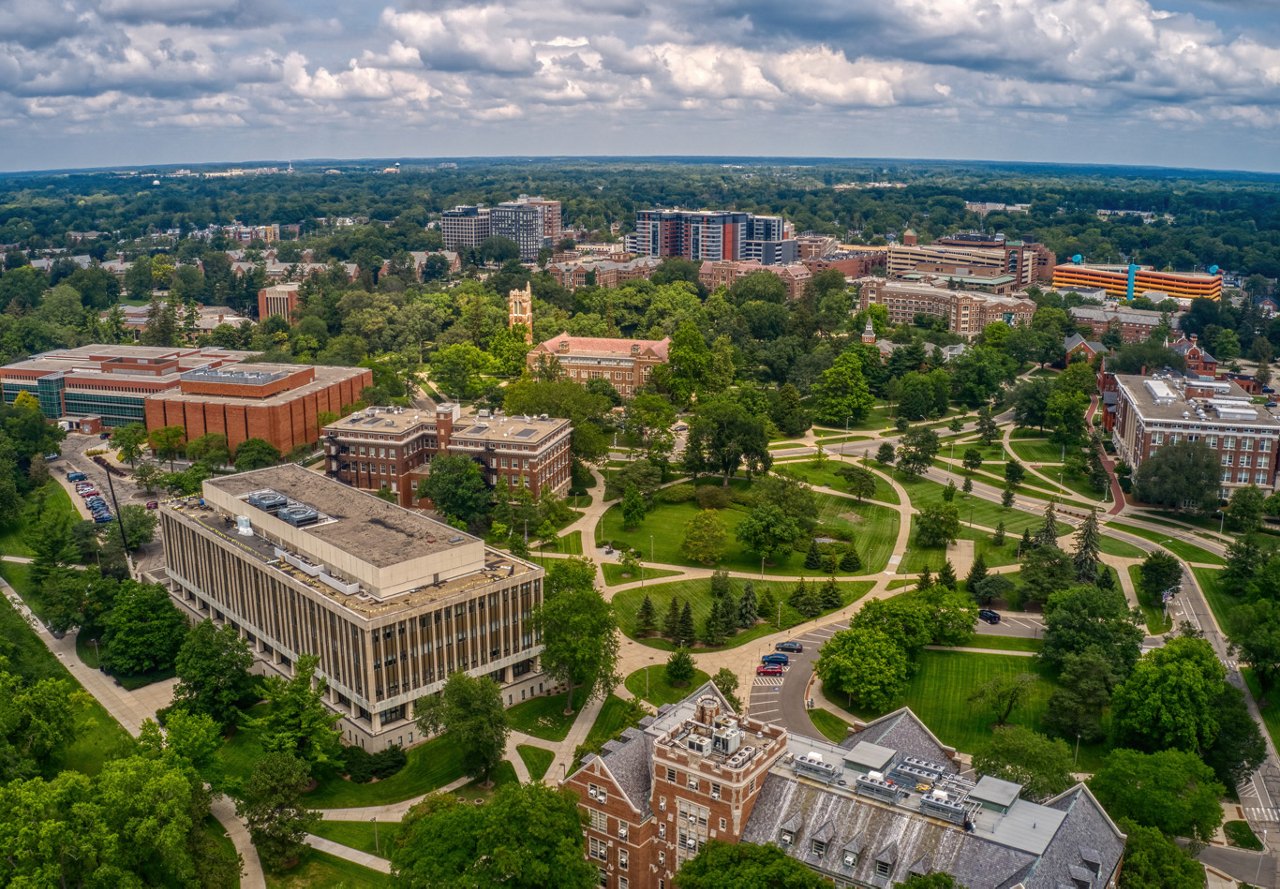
(713, 235)
(886, 803)
(1151, 412)
(531, 222)
(391, 448)
(390, 601)
(965, 311)
(464, 227)
(624, 363)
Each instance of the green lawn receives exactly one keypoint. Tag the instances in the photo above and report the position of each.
(1158, 623)
(939, 694)
(900, 583)
(1004, 643)
(656, 690)
(917, 558)
(504, 773)
(662, 531)
(544, 717)
(569, 545)
(1113, 547)
(1180, 548)
(698, 594)
(359, 834)
(536, 759)
(1037, 450)
(49, 497)
(318, 869)
(615, 716)
(830, 726)
(926, 492)
(1220, 602)
(826, 440)
(824, 474)
(1271, 712)
(613, 575)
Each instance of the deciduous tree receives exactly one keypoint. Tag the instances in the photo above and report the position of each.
(866, 665)
(213, 672)
(271, 805)
(470, 709)
(719, 865)
(1171, 790)
(580, 638)
(1015, 753)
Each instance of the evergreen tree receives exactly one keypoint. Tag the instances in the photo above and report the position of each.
(850, 562)
(926, 579)
(804, 598)
(686, 625)
(747, 608)
(719, 584)
(671, 625)
(1024, 545)
(947, 576)
(977, 572)
(1106, 579)
(1047, 534)
(1006, 498)
(829, 597)
(645, 618)
(813, 558)
(768, 606)
(997, 539)
(988, 431)
(967, 487)
(830, 562)
(1088, 546)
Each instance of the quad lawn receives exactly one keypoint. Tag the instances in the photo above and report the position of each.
(544, 717)
(917, 558)
(613, 574)
(1003, 643)
(659, 691)
(616, 715)
(1271, 712)
(1037, 450)
(569, 545)
(318, 869)
(360, 835)
(824, 475)
(926, 492)
(1180, 548)
(536, 759)
(698, 594)
(875, 528)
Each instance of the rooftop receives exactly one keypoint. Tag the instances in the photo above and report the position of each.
(605, 347)
(1211, 402)
(473, 426)
(258, 375)
(1123, 315)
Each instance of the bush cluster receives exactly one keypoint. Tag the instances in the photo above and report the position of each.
(363, 766)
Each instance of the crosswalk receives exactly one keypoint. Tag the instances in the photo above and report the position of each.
(1262, 814)
(768, 681)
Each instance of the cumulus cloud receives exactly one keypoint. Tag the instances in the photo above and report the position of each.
(665, 64)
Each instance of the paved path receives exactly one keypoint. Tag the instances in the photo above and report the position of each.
(251, 876)
(387, 811)
(373, 862)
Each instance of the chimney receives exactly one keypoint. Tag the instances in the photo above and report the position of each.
(446, 414)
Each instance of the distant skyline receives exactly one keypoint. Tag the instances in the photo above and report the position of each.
(1178, 83)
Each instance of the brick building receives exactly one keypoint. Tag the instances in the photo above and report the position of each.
(883, 805)
(1151, 412)
(1027, 262)
(580, 271)
(391, 601)
(725, 273)
(965, 311)
(624, 363)
(1133, 325)
(278, 301)
(391, 448)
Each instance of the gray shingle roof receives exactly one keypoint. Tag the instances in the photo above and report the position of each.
(1086, 838)
(631, 764)
(903, 731)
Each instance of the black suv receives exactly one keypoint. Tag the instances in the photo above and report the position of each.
(991, 617)
(795, 647)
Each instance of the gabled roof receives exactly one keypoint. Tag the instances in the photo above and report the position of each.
(606, 347)
(630, 762)
(903, 731)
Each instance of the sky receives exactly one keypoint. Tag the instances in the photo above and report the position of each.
(91, 83)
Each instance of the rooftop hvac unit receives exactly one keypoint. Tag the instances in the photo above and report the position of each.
(299, 516)
(243, 528)
(267, 501)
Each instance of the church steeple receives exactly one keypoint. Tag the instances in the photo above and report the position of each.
(520, 310)
(869, 334)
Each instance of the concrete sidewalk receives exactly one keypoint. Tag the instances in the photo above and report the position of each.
(373, 862)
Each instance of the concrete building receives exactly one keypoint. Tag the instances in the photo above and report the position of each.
(624, 363)
(1133, 325)
(207, 318)
(966, 312)
(725, 273)
(391, 601)
(521, 222)
(391, 448)
(1151, 412)
(960, 254)
(464, 227)
(278, 301)
(885, 804)
(531, 222)
(713, 235)
(1129, 281)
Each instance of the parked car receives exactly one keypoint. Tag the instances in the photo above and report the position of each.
(769, 670)
(49, 458)
(101, 519)
(790, 645)
(989, 616)
(104, 436)
(779, 659)
(76, 476)
(153, 504)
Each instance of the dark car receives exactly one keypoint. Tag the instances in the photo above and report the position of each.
(76, 476)
(101, 519)
(153, 504)
(790, 645)
(780, 659)
(104, 436)
(769, 670)
(989, 616)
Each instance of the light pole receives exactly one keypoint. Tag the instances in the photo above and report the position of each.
(1076, 759)
(1261, 855)
(376, 847)
(762, 567)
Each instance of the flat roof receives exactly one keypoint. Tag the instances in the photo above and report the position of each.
(469, 427)
(364, 526)
(1166, 399)
(325, 376)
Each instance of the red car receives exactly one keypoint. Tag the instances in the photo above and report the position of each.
(769, 670)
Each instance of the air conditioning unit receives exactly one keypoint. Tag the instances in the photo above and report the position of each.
(849, 860)
(622, 833)
(692, 843)
(715, 794)
(591, 794)
(693, 819)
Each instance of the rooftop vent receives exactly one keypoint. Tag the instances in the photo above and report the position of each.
(267, 501)
(243, 528)
(299, 516)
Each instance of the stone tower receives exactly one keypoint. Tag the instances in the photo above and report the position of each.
(520, 311)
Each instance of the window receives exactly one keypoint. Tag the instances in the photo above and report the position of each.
(599, 821)
(1246, 444)
(1243, 477)
(850, 858)
(1265, 446)
(1246, 460)
(604, 878)
(693, 783)
(818, 847)
(1228, 459)
(597, 849)
(723, 825)
(671, 775)
(883, 868)
(662, 831)
(715, 790)
(623, 883)
(1212, 441)
(622, 858)
(1158, 437)
(662, 857)
(1260, 478)
(1229, 442)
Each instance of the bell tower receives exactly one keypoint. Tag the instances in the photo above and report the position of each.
(520, 310)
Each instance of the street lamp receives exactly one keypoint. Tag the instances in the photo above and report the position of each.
(376, 847)
(1261, 855)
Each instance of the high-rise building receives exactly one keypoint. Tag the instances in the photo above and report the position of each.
(464, 227)
(714, 235)
(531, 222)
(391, 601)
(522, 222)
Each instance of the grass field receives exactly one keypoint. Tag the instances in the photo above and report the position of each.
(939, 694)
(824, 474)
(916, 558)
(360, 835)
(1180, 548)
(875, 527)
(1221, 603)
(1113, 547)
(1158, 623)
(926, 492)
(569, 545)
(544, 717)
(503, 773)
(536, 759)
(830, 726)
(1003, 643)
(613, 575)
(900, 583)
(826, 440)
(1271, 712)
(656, 690)
(698, 594)
(318, 869)
(1036, 450)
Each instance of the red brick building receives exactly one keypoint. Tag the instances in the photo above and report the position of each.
(725, 273)
(278, 301)
(624, 363)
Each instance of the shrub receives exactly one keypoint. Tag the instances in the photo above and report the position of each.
(712, 497)
(363, 766)
(676, 494)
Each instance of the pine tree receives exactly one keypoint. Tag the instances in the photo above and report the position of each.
(686, 625)
(997, 539)
(829, 597)
(830, 562)
(1024, 545)
(645, 617)
(926, 579)
(712, 630)
(1088, 546)
(813, 558)
(1106, 579)
(747, 608)
(804, 598)
(1047, 534)
(967, 487)
(947, 576)
(977, 572)
(671, 625)
(850, 562)
(768, 607)
(1006, 498)
(719, 585)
